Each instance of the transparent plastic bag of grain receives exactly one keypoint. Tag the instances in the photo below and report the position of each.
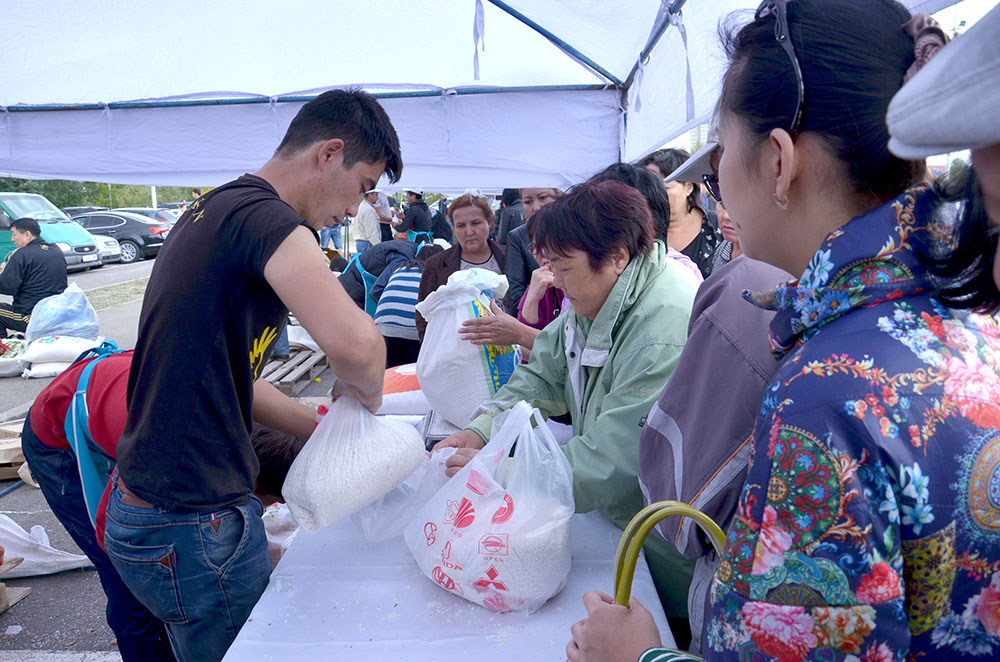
(351, 460)
(498, 533)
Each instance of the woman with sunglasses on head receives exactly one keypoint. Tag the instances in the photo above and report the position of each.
(693, 230)
(868, 527)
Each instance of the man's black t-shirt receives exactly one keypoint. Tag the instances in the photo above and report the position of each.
(208, 323)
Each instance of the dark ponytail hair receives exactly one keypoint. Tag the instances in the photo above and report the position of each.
(961, 262)
(853, 55)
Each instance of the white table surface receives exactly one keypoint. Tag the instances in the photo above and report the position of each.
(334, 597)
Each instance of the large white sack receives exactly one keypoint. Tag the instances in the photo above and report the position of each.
(40, 558)
(10, 359)
(351, 459)
(57, 349)
(42, 370)
(457, 376)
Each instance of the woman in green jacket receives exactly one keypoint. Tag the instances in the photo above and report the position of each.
(605, 360)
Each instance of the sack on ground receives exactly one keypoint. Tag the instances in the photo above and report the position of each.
(456, 375)
(66, 314)
(498, 533)
(387, 517)
(40, 370)
(57, 349)
(11, 351)
(351, 459)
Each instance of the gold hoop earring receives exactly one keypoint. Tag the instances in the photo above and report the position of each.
(783, 205)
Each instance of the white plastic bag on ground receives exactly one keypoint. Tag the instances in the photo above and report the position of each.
(40, 558)
(66, 314)
(386, 518)
(498, 533)
(57, 349)
(38, 370)
(351, 459)
(457, 376)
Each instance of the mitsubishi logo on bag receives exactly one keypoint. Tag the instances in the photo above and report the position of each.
(461, 514)
(490, 580)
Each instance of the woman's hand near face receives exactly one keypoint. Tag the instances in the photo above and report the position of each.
(497, 329)
(541, 280)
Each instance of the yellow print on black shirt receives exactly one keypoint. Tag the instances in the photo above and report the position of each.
(260, 345)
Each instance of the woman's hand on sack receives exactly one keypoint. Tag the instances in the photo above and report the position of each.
(497, 329)
(611, 633)
(468, 444)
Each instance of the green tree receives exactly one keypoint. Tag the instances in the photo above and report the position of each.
(65, 193)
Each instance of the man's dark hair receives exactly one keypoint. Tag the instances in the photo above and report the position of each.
(275, 453)
(196, 191)
(852, 57)
(27, 225)
(425, 253)
(510, 196)
(648, 184)
(355, 117)
(338, 264)
(597, 218)
(963, 267)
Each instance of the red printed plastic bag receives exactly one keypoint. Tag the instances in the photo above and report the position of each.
(498, 533)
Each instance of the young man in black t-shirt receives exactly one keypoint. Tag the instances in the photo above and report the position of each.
(183, 528)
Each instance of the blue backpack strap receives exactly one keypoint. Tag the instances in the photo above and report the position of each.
(368, 280)
(78, 431)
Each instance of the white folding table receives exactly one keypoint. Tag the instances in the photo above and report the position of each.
(334, 597)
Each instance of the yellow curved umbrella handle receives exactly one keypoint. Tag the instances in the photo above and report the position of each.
(639, 528)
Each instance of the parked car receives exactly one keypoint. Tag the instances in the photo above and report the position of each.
(76, 211)
(108, 248)
(77, 246)
(137, 235)
(164, 215)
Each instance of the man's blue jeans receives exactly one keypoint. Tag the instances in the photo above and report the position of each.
(361, 245)
(200, 573)
(335, 233)
(141, 636)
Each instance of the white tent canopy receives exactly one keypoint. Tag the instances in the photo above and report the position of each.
(483, 93)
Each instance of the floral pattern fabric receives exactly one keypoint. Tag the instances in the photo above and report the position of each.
(869, 526)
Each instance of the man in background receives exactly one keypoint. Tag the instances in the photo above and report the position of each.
(34, 270)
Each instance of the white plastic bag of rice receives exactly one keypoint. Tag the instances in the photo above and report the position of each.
(351, 460)
(457, 376)
(498, 533)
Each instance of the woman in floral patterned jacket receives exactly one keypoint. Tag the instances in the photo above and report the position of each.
(869, 525)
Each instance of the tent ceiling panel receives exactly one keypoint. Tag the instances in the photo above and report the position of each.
(448, 142)
(146, 49)
(612, 34)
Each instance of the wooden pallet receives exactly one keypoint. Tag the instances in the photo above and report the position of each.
(292, 376)
(11, 595)
(11, 457)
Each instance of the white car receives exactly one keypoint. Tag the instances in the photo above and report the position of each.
(108, 248)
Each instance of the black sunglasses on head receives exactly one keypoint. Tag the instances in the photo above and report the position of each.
(779, 9)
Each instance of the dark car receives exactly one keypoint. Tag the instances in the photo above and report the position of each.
(164, 215)
(138, 236)
(76, 211)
